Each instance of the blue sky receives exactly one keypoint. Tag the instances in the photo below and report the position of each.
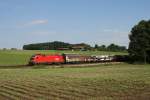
(73, 21)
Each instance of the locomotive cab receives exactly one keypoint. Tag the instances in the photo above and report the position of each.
(33, 59)
(46, 59)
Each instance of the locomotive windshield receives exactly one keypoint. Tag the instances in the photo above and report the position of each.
(32, 57)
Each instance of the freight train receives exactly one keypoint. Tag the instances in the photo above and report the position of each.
(73, 59)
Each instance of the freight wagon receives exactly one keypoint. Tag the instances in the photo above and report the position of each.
(75, 58)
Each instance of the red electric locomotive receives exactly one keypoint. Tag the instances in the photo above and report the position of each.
(46, 59)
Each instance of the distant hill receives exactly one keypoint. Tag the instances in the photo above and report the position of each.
(56, 45)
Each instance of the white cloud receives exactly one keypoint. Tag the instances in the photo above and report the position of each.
(36, 22)
(42, 32)
(32, 23)
(115, 31)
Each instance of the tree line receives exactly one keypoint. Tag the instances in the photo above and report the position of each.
(58, 45)
(111, 47)
(47, 46)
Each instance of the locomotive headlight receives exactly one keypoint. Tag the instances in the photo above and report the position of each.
(57, 59)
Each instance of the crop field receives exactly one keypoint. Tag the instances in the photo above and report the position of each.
(101, 82)
(20, 57)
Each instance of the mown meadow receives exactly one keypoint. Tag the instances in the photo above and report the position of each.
(101, 82)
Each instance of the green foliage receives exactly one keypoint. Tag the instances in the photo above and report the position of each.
(114, 47)
(139, 46)
(96, 46)
(47, 46)
(111, 47)
(57, 45)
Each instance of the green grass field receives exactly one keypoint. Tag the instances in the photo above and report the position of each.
(101, 82)
(14, 57)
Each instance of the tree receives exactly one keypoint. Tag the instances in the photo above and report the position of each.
(96, 46)
(139, 46)
(114, 47)
(102, 47)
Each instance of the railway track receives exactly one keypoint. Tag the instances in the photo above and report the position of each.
(61, 65)
(13, 66)
(90, 64)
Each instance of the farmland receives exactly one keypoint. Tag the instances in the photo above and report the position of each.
(96, 82)
(101, 82)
